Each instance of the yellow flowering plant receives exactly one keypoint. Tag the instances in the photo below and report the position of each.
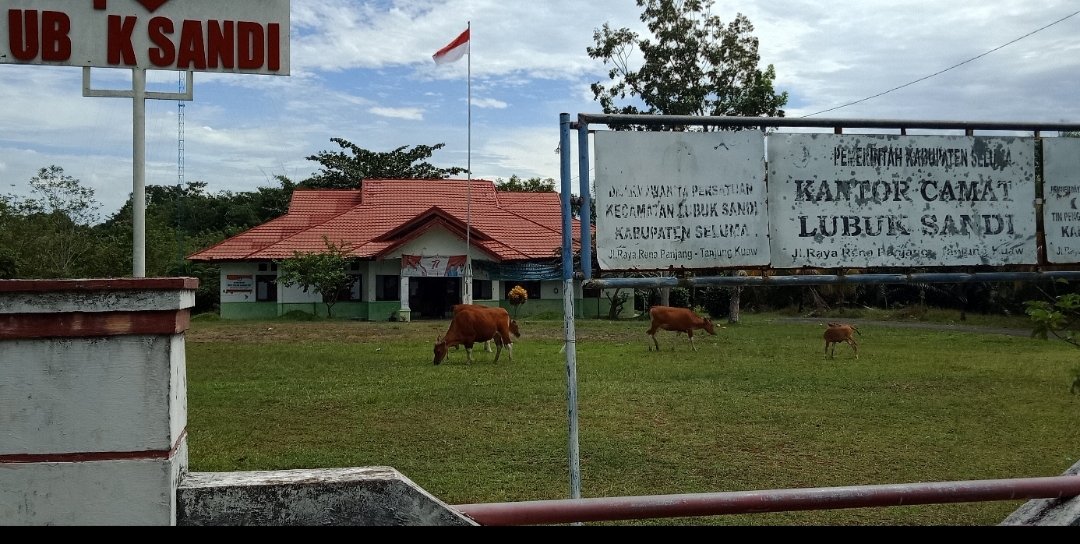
(518, 296)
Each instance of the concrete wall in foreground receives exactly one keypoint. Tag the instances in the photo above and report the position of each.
(93, 400)
(93, 417)
(348, 496)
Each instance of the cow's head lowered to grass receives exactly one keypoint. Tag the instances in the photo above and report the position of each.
(477, 324)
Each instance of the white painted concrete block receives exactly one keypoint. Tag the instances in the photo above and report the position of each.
(110, 394)
(116, 492)
(95, 301)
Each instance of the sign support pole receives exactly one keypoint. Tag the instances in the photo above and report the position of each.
(138, 172)
(570, 337)
(139, 96)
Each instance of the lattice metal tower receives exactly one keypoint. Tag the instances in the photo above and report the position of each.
(180, 174)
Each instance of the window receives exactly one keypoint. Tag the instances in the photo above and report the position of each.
(387, 288)
(481, 289)
(265, 288)
(531, 287)
(263, 267)
(356, 291)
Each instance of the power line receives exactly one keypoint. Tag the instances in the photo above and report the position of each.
(949, 68)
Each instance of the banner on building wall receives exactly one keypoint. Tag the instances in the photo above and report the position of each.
(858, 201)
(680, 199)
(239, 283)
(422, 266)
(1061, 199)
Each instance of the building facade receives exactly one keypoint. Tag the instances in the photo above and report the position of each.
(418, 247)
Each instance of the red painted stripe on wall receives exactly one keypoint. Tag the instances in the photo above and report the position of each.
(89, 325)
(25, 458)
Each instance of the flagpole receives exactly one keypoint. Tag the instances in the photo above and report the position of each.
(468, 190)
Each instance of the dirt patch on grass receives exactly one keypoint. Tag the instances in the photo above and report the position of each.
(349, 332)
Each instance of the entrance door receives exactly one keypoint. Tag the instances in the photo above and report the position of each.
(434, 298)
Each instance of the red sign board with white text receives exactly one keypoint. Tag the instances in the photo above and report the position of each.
(235, 36)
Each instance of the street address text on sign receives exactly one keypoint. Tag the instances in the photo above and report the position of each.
(238, 36)
(680, 199)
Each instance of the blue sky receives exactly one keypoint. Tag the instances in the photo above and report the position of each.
(362, 71)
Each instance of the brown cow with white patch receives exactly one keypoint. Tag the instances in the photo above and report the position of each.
(678, 320)
(494, 309)
(839, 332)
(471, 325)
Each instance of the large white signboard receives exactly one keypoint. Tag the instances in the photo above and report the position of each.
(855, 201)
(680, 199)
(242, 36)
(1061, 193)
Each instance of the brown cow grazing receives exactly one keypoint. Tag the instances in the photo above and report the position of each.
(839, 332)
(470, 326)
(494, 309)
(678, 320)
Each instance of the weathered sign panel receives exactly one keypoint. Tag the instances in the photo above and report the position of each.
(1061, 191)
(856, 201)
(239, 283)
(248, 36)
(679, 199)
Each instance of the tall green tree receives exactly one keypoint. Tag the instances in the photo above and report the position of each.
(531, 185)
(693, 64)
(9, 266)
(324, 272)
(341, 170)
(49, 234)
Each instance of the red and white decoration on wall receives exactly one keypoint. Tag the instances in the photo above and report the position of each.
(419, 266)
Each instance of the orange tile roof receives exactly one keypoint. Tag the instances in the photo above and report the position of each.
(387, 213)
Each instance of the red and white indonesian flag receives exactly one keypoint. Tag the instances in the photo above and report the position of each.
(454, 51)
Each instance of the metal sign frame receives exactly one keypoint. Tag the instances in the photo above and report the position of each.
(758, 123)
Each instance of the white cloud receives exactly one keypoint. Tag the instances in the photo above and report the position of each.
(412, 114)
(489, 103)
(525, 151)
(541, 39)
(360, 68)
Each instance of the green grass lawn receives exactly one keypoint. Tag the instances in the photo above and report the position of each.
(755, 408)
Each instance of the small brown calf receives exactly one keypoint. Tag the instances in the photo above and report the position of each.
(839, 332)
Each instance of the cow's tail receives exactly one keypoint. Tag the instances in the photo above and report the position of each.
(854, 328)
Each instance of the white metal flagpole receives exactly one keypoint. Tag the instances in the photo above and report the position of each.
(462, 45)
(468, 191)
